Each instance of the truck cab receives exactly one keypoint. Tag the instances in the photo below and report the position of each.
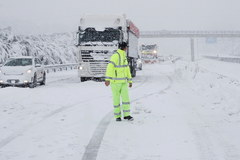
(98, 38)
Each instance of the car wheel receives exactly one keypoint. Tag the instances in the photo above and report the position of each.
(34, 83)
(43, 82)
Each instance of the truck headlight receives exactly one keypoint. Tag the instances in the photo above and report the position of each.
(29, 71)
(81, 67)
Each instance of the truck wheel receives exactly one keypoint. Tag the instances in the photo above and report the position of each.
(134, 72)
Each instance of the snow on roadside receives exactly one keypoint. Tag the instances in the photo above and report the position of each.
(230, 70)
(212, 90)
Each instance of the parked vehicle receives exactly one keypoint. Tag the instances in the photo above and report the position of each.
(22, 71)
(98, 38)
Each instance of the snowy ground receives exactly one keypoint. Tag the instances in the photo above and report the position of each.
(182, 111)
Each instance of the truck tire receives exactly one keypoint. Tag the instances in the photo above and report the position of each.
(134, 72)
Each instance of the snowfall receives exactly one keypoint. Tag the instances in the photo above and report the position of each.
(182, 111)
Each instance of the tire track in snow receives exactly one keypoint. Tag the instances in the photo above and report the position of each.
(94, 144)
(20, 132)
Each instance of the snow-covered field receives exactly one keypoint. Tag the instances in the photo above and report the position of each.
(182, 111)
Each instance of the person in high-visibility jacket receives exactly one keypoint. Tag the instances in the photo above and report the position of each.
(118, 76)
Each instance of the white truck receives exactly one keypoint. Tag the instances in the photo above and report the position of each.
(98, 37)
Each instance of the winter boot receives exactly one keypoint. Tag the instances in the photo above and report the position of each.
(118, 119)
(129, 118)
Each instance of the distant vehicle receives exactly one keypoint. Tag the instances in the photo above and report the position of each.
(149, 53)
(161, 59)
(98, 37)
(22, 71)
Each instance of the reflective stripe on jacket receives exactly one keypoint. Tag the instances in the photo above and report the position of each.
(118, 70)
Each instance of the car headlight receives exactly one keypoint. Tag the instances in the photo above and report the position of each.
(29, 71)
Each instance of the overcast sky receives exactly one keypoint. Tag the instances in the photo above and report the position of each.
(49, 16)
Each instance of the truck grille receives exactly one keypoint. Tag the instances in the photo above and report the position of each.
(98, 67)
(97, 61)
(95, 55)
(86, 55)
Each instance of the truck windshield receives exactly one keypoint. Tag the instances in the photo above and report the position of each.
(108, 35)
(148, 47)
(19, 62)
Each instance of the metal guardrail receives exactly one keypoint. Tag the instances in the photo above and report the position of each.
(60, 67)
(224, 59)
(188, 34)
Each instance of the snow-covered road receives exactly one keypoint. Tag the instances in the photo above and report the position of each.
(182, 111)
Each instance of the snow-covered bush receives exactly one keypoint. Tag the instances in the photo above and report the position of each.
(56, 48)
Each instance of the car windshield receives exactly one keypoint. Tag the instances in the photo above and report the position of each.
(108, 35)
(19, 62)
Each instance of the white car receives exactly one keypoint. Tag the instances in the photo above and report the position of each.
(22, 71)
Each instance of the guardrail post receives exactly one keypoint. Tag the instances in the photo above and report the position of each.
(192, 49)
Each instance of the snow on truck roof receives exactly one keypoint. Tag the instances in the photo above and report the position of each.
(100, 22)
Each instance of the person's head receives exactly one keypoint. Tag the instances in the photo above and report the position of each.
(122, 46)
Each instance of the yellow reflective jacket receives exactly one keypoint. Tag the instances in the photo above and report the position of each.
(118, 70)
